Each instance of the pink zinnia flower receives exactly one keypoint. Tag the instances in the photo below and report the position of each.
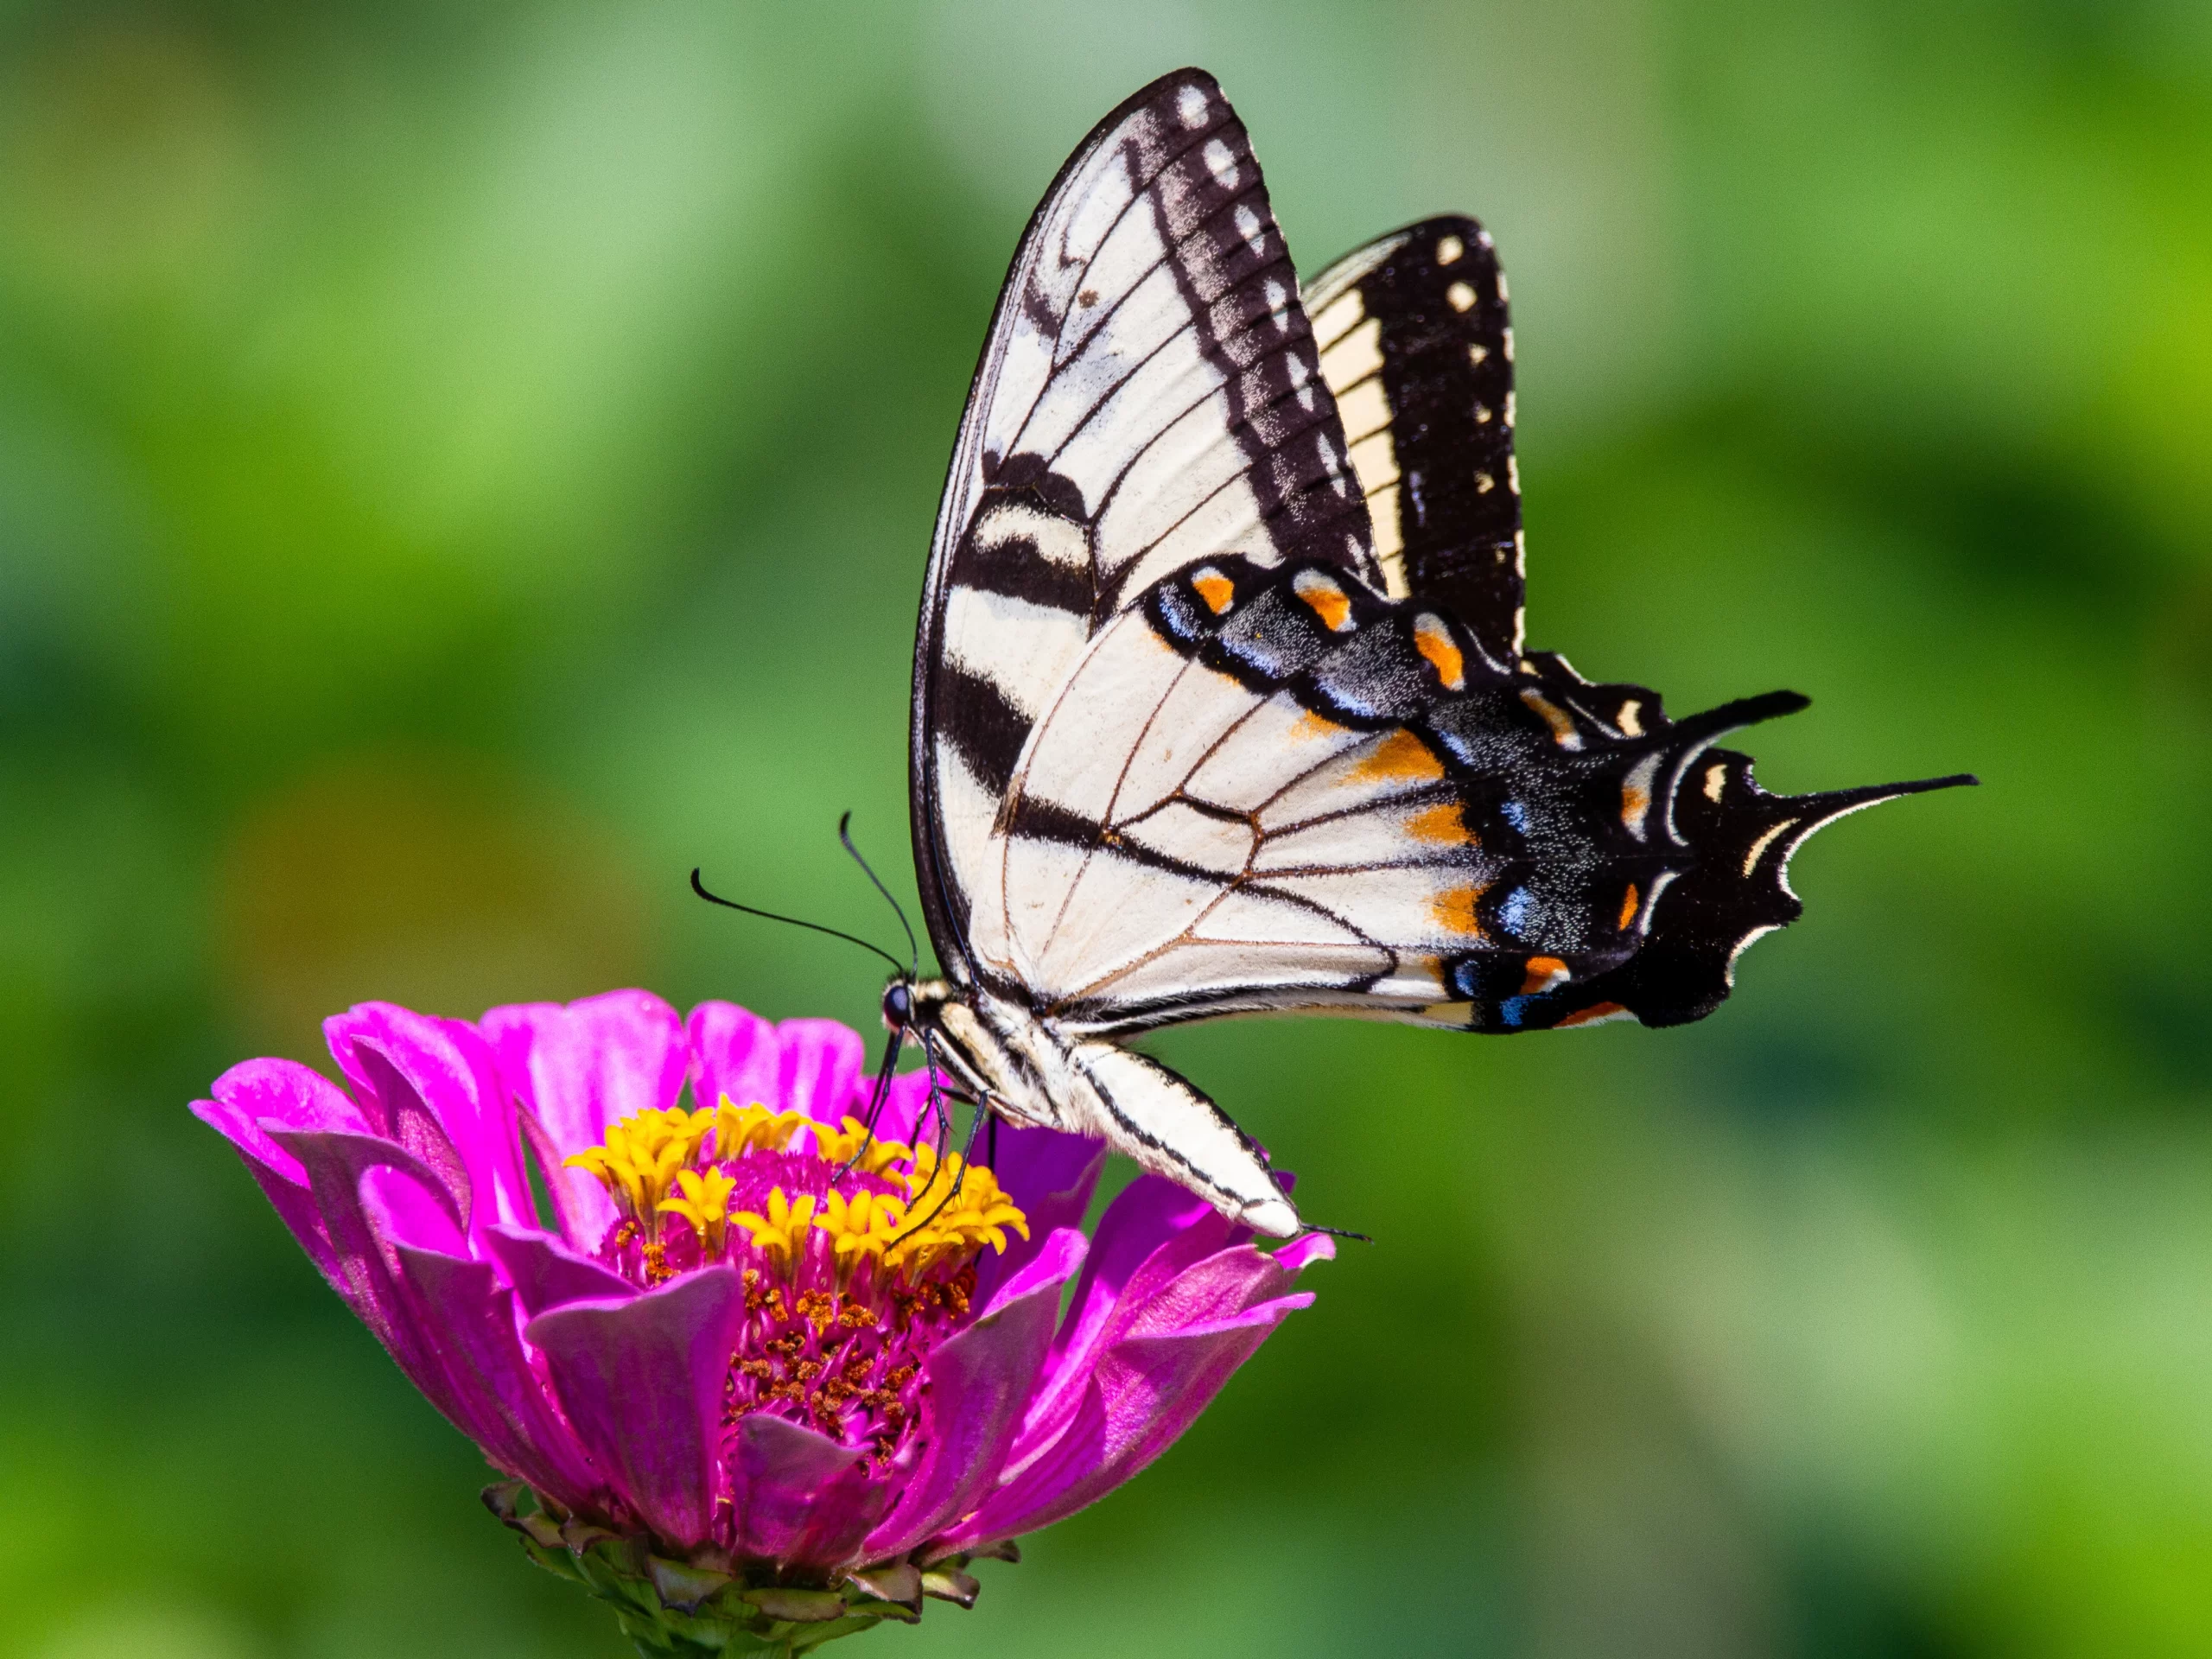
(744, 1397)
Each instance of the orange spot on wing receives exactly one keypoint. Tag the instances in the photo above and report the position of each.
(1628, 904)
(1544, 972)
(1310, 724)
(1215, 589)
(1433, 641)
(1401, 755)
(1327, 600)
(1455, 909)
(1636, 800)
(1441, 822)
(1558, 719)
(1591, 1015)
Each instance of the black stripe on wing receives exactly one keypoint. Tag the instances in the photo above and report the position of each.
(1417, 344)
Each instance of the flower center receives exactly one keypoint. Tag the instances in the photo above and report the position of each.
(858, 1255)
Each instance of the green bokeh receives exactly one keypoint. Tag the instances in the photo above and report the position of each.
(461, 467)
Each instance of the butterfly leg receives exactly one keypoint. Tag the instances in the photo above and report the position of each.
(1146, 1111)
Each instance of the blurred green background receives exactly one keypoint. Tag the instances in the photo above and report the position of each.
(460, 466)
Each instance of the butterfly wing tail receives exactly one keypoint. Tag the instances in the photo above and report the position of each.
(1736, 889)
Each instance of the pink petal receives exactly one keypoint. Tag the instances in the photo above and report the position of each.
(905, 1108)
(335, 1161)
(642, 1383)
(819, 1068)
(842, 1514)
(496, 1399)
(734, 1052)
(288, 1093)
(1051, 1176)
(1152, 1231)
(433, 1086)
(578, 1069)
(1165, 1293)
(400, 1209)
(782, 1474)
(1216, 1287)
(1145, 1391)
(980, 1382)
(546, 1273)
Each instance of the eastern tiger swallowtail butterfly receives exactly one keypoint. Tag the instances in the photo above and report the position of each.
(1221, 705)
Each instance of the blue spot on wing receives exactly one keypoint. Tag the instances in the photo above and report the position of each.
(1514, 911)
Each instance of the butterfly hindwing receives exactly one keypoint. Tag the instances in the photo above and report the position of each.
(1149, 394)
(1417, 346)
(1326, 800)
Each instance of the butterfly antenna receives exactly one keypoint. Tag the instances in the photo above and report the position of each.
(699, 887)
(913, 949)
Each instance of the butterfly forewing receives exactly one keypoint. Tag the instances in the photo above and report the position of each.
(1150, 394)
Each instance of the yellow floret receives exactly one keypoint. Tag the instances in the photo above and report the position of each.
(782, 1230)
(641, 1155)
(863, 1225)
(740, 1129)
(875, 1156)
(705, 1204)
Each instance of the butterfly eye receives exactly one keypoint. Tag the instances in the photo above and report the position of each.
(898, 1007)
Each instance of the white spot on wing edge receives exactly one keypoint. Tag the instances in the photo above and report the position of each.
(1449, 250)
(1459, 297)
(1191, 104)
(1250, 227)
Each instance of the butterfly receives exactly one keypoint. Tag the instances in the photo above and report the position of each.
(1221, 704)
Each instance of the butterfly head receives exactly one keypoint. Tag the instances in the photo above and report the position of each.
(912, 1006)
(898, 1004)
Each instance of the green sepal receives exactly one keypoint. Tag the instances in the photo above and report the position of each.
(797, 1606)
(682, 1587)
(713, 1608)
(899, 1582)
